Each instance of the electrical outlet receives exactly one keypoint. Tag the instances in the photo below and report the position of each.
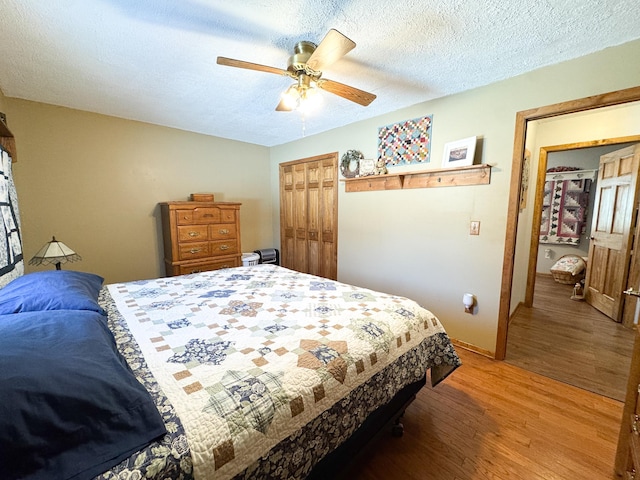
(474, 229)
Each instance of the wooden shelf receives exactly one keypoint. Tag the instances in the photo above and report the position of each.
(7, 141)
(441, 177)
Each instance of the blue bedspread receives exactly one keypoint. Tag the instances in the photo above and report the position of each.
(70, 408)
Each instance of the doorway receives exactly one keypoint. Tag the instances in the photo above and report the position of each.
(586, 158)
(556, 333)
(522, 120)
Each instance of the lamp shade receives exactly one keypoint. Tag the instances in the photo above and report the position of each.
(54, 253)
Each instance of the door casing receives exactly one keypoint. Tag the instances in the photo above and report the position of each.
(522, 118)
(537, 212)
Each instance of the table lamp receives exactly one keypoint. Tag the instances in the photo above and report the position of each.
(54, 252)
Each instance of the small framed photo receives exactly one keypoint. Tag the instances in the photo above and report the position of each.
(367, 167)
(459, 153)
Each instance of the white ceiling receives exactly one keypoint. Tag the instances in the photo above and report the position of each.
(155, 60)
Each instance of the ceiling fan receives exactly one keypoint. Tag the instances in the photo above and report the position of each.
(305, 66)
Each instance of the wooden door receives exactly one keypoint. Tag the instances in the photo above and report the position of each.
(286, 215)
(308, 215)
(299, 208)
(612, 230)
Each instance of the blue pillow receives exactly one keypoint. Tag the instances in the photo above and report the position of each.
(71, 407)
(52, 290)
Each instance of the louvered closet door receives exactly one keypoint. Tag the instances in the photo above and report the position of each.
(328, 217)
(286, 216)
(300, 250)
(308, 215)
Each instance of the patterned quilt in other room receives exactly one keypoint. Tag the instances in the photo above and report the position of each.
(564, 210)
(249, 356)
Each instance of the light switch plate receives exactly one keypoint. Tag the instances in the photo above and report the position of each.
(474, 229)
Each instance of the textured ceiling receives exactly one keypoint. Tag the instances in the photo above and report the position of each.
(155, 60)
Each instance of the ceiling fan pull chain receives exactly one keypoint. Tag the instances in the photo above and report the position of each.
(304, 123)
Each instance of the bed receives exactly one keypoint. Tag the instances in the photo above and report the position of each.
(242, 373)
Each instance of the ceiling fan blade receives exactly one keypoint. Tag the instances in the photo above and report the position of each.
(283, 106)
(345, 91)
(230, 62)
(333, 46)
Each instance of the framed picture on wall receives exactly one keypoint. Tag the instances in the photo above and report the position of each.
(367, 167)
(459, 153)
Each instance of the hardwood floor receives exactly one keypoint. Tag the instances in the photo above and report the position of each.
(493, 420)
(570, 341)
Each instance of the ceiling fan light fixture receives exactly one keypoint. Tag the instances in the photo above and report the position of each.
(310, 99)
(291, 97)
(304, 98)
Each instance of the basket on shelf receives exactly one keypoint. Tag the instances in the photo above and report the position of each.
(569, 269)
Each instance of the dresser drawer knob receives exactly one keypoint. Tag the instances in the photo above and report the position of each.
(196, 271)
(194, 234)
(634, 424)
(207, 215)
(223, 231)
(195, 250)
(224, 247)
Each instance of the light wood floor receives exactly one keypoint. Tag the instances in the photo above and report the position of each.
(570, 341)
(492, 420)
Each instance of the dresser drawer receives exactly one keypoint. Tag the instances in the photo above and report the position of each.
(206, 266)
(224, 247)
(193, 233)
(200, 215)
(184, 217)
(222, 231)
(188, 251)
(228, 216)
(207, 215)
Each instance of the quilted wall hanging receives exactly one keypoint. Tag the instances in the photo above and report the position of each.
(564, 210)
(405, 143)
(11, 259)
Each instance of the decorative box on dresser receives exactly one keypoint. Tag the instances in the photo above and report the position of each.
(200, 236)
(628, 454)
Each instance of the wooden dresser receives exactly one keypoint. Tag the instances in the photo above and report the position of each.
(200, 236)
(628, 455)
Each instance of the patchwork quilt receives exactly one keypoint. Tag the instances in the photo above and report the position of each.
(261, 371)
(564, 211)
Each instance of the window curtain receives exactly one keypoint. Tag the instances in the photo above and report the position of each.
(11, 259)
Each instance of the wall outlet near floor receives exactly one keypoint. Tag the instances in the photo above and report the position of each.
(474, 228)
